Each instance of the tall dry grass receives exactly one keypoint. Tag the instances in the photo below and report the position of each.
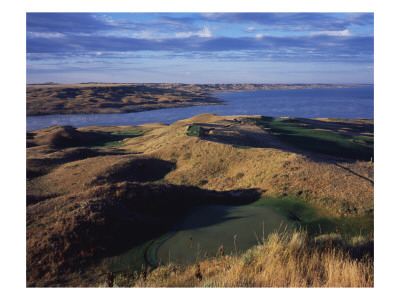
(67, 182)
(288, 259)
(344, 188)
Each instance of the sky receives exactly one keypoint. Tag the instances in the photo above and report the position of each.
(200, 47)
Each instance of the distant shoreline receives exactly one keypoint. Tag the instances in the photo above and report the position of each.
(116, 98)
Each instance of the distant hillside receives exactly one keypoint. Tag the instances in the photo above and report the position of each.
(86, 98)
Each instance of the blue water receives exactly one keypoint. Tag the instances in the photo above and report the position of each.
(347, 103)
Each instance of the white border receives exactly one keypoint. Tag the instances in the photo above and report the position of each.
(13, 143)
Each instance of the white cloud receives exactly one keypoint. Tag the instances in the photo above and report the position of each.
(184, 34)
(205, 32)
(148, 34)
(46, 34)
(345, 32)
(145, 34)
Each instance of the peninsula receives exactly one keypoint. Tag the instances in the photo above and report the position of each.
(97, 98)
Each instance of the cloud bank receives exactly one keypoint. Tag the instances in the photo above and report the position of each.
(105, 39)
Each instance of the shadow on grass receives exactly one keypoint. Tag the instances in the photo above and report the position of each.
(113, 139)
(166, 212)
(354, 173)
(300, 213)
(307, 217)
(139, 170)
(145, 212)
(36, 167)
(299, 135)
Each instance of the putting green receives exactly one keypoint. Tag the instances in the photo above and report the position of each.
(206, 229)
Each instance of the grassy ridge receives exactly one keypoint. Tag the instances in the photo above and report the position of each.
(110, 98)
(91, 203)
(298, 134)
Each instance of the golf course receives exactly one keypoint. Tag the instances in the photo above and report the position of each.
(124, 205)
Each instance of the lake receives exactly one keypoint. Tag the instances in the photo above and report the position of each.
(346, 103)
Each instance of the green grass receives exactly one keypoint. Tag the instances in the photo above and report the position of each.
(319, 141)
(302, 214)
(107, 144)
(208, 227)
(308, 217)
(129, 132)
(192, 133)
(296, 210)
(337, 119)
(115, 139)
(242, 147)
(151, 251)
(131, 260)
(368, 139)
(194, 130)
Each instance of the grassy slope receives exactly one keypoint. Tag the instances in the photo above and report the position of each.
(109, 98)
(75, 187)
(300, 135)
(317, 221)
(285, 259)
(219, 166)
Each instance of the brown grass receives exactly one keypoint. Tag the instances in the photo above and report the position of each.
(109, 98)
(215, 166)
(84, 203)
(283, 260)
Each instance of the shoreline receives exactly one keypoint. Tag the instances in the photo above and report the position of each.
(85, 99)
(137, 110)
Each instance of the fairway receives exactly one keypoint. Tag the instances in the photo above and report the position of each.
(115, 139)
(300, 134)
(205, 230)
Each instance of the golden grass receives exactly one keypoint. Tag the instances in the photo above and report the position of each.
(110, 98)
(283, 260)
(73, 189)
(219, 166)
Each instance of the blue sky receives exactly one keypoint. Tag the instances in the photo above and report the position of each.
(200, 47)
